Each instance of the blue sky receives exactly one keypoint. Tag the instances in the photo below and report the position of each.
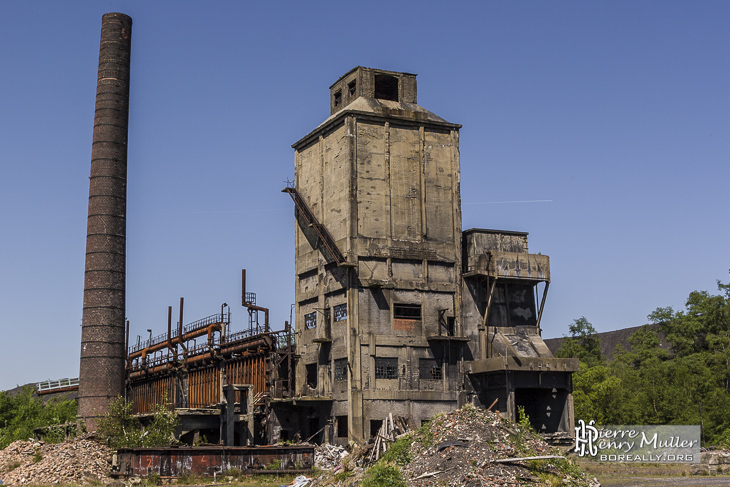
(602, 128)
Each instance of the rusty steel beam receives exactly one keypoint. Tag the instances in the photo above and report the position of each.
(101, 371)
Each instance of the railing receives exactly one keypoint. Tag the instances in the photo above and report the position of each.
(195, 325)
(282, 340)
(207, 321)
(51, 385)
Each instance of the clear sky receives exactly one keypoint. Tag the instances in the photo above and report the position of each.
(601, 128)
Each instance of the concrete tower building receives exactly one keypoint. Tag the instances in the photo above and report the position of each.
(381, 274)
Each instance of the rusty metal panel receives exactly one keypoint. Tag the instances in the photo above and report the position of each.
(174, 462)
(150, 393)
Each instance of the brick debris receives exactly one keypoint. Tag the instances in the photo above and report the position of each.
(78, 460)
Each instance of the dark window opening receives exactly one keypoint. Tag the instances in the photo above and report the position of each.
(312, 375)
(450, 326)
(407, 311)
(544, 407)
(342, 426)
(314, 429)
(310, 320)
(284, 435)
(351, 86)
(338, 98)
(386, 368)
(375, 425)
(386, 87)
(513, 305)
(341, 369)
(429, 369)
(340, 312)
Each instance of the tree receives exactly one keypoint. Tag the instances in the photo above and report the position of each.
(583, 343)
(22, 413)
(120, 428)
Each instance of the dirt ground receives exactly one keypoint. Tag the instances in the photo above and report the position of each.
(650, 475)
(664, 481)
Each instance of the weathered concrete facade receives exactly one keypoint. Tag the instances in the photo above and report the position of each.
(502, 309)
(381, 327)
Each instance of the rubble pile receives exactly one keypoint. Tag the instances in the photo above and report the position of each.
(78, 460)
(328, 457)
(470, 447)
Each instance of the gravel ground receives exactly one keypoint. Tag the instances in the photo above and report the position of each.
(665, 481)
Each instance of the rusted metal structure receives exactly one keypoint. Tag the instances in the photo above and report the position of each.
(208, 460)
(101, 373)
(190, 367)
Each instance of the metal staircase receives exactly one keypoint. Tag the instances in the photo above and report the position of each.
(310, 220)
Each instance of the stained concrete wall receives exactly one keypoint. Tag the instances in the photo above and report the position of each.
(383, 178)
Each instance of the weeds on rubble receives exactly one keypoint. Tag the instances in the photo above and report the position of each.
(399, 452)
(523, 419)
(548, 470)
(384, 475)
(424, 435)
(9, 467)
(341, 476)
(522, 432)
(549, 479)
(37, 456)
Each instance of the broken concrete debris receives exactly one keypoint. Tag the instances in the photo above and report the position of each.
(329, 457)
(470, 447)
(79, 460)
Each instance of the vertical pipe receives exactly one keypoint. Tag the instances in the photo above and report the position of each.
(243, 287)
(101, 371)
(180, 325)
(126, 346)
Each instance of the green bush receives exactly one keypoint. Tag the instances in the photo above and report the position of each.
(275, 464)
(121, 429)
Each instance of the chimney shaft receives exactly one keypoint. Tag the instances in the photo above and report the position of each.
(101, 375)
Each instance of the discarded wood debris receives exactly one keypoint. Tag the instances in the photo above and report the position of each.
(393, 428)
(524, 459)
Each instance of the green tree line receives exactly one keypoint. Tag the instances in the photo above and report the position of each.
(21, 413)
(648, 384)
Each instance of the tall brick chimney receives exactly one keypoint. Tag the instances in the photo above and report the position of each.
(101, 375)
